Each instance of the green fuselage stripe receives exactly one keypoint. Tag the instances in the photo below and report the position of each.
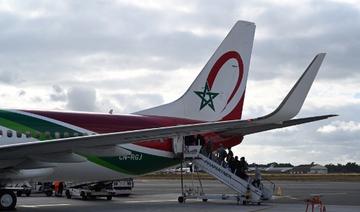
(33, 124)
(137, 163)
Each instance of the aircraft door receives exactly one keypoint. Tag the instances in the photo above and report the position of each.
(178, 142)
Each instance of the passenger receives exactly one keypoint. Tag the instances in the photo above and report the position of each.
(230, 163)
(222, 154)
(243, 168)
(236, 164)
(230, 153)
(200, 140)
(61, 189)
(257, 177)
(209, 149)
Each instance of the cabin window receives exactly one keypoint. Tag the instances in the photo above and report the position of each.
(18, 134)
(28, 134)
(1, 134)
(47, 135)
(9, 133)
(36, 134)
(66, 134)
(57, 135)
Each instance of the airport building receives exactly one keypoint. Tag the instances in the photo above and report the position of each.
(309, 169)
(318, 169)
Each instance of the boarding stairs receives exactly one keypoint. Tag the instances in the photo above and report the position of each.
(245, 191)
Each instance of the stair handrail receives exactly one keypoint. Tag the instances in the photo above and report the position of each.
(235, 177)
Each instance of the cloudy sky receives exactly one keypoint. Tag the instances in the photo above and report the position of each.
(130, 55)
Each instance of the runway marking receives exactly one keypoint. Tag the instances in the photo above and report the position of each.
(45, 205)
(328, 194)
(287, 196)
(149, 201)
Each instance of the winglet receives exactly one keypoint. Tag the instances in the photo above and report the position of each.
(293, 102)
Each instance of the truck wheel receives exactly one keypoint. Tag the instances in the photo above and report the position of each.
(83, 196)
(7, 200)
(19, 193)
(109, 197)
(181, 199)
(68, 195)
(28, 193)
(49, 193)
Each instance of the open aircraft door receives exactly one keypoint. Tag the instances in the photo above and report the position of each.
(178, 144)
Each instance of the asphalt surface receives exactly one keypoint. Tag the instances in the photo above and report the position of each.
(161, 195)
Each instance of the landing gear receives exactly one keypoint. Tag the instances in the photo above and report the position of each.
(7, 200)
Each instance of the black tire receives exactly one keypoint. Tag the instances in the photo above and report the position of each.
(28, 193)
(109, 197)
(204, 200)
(49, 193)
(83, 196)
(181, 199)
(7, 200)
(68, 195)
(19, 193)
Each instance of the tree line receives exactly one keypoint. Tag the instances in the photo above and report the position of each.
(347, 168)
(350, 167)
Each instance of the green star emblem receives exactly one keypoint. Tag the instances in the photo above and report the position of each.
(207, 97)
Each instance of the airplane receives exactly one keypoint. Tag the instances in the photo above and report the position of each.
(79, 146)
(272, 169)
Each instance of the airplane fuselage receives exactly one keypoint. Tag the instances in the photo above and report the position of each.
(18, 126)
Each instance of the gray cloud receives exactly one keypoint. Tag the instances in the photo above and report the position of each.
(82, 99)
(80, 51)
(138, 101)
(58, 94)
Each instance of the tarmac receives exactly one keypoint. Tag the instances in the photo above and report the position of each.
(161, 195)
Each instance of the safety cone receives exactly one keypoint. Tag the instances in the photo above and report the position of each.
(279, 191)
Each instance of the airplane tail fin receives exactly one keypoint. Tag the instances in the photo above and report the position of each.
(218, 91)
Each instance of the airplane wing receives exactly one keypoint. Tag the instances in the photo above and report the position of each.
(77, 144)
(278, 119)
